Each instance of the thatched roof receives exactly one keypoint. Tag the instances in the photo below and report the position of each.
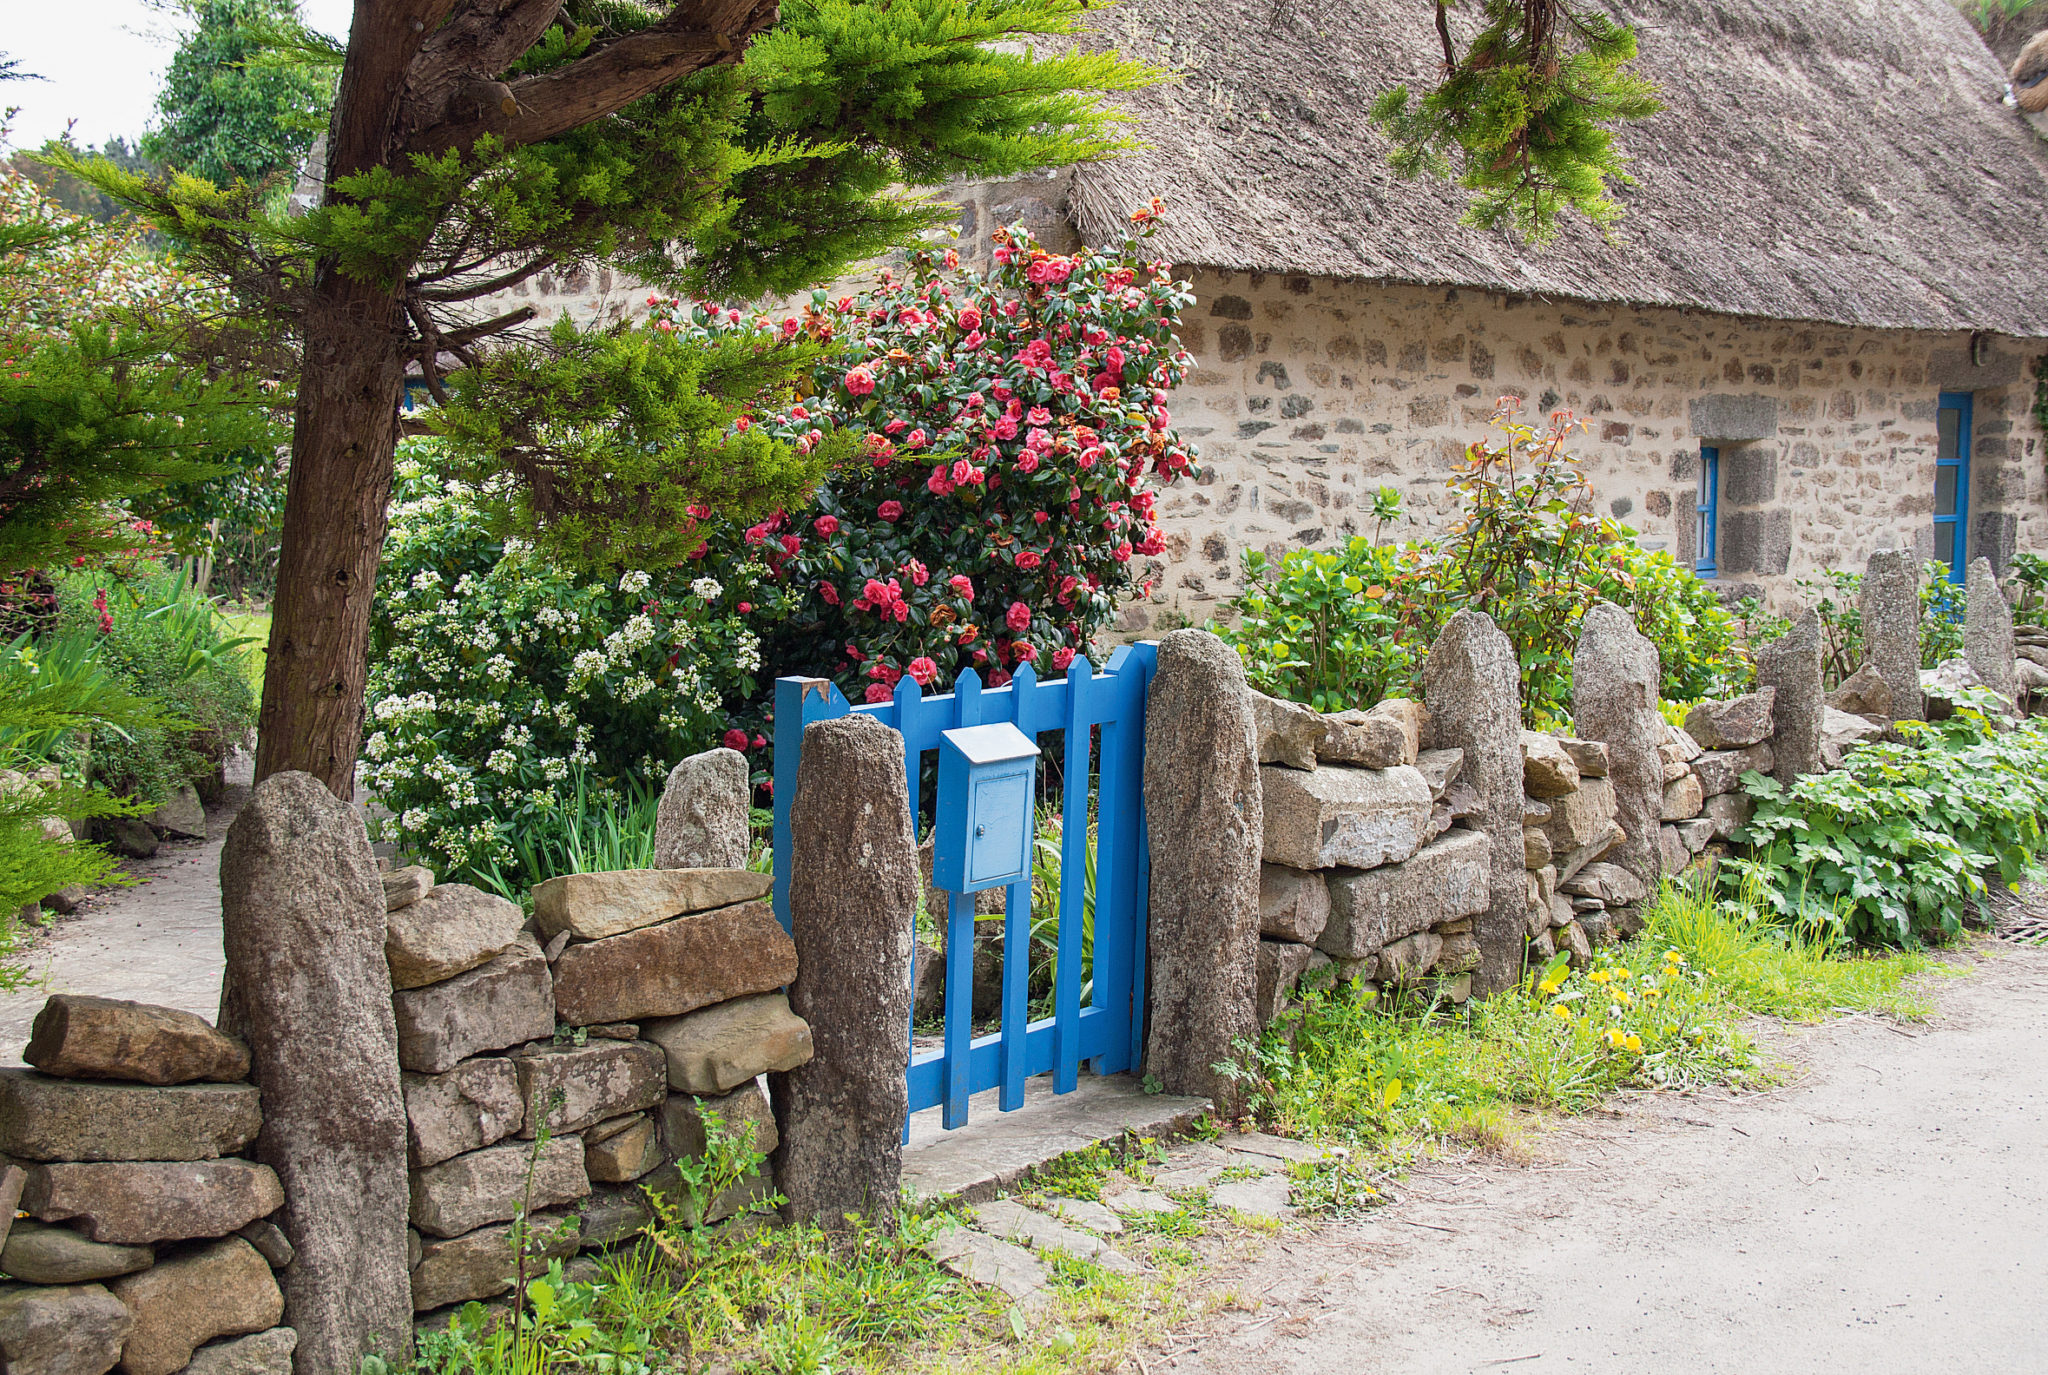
(1844, 161)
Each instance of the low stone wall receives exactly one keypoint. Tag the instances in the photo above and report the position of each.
(145, 1236)
(632, 1007)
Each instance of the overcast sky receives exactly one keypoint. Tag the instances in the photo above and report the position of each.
(101, 60)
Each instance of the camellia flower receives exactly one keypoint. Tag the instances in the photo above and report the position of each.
(962, 584)
(736, 739)
(1061, 657)
(923, 670)
(826, 525)
(861, 380)
(1018, 616)
(890, 510)
(1028, 559)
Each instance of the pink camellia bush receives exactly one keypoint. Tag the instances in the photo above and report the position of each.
(1010, 431)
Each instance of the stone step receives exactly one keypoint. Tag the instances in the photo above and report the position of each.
(1009, 1220)
(1084, 1212)
(982, 1259)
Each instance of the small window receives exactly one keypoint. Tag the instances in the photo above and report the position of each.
(1952, 483)
(1704, 503)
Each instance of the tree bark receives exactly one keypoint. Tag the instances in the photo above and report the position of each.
(345, 434)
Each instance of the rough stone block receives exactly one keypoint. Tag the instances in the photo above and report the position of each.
(1447, 879)
(1342, 816)
(1590, 756)
(182, 814)
(595, 1081)
(1611, 884)
(223, 1290)
(58, 1255)
(504, 1002)
(1408, 959)
(476, 1104)
(702, 820)
(1720, 771)
(1735, 723)
(1281, 965)
(1695, 834)
(404, 887)
(683, 1118)
(1368, 741)
(269, 1240)
(592, 906)
(623, 1154)
(1287, 733)
(1294, 904)
(451, 930)
(1581, 817)
(63, 1330)
(675, 967)
(1411, 716)
(1536, 851)
(1683, 798)
(490, 1185)
(260, 1353)
(1863, 693)
(1729, 812)
(1602, 845)
(1671, 848)
(478, 1265)
(133, 1203)
(719, 1048)
(613, 1214)
(68, 1119)
(1440, 769)
(79, 1037)
(1547, 769)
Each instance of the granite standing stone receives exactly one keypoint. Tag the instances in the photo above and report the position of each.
(79, 1037)
(1614, 701)
(702, 821)
(67, 1119)
(1791, 666)
(1205, 806)
(1472, 687)
(1891, 628)
(852, 906)
(450, 931)
(223, 1290)
(1987, 632)
(309, 990)
(61, 1330)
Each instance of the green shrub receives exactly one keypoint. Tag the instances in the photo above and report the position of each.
(1343, 629)
(1891, 848)
(1836, 593)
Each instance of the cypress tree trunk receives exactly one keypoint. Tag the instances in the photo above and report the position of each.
(345, 434)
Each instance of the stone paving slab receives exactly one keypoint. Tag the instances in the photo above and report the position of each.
(981, 1259)
(1084, 1212)
(1271, 1147)
(1012, 1221)
(1132, 1202)
(997, 1149)
(1265, 1197)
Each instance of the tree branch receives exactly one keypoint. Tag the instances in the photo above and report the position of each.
(694, 35)
(456, 338)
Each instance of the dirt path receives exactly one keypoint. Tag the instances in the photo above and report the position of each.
(1887, 1210)
(158, 942)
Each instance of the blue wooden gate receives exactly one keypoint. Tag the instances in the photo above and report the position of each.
(1107, 1029)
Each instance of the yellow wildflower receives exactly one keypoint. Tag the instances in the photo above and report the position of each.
(1598, 976)
(1635, 1045)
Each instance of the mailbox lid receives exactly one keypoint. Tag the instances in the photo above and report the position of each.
(995, 743)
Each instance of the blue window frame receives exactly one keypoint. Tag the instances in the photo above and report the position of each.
(1952, 483)
(1706, 503)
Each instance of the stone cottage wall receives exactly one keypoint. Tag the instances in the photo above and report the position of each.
(1311, 393)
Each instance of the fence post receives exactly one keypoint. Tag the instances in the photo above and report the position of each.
(1205, 825)
(853, 907)
(1473, 689)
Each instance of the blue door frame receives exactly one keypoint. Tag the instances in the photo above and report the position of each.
(1953, 417)
(1707, 511)
(1108, 1031)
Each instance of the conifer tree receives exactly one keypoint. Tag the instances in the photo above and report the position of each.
(225, 114)
(697, 145)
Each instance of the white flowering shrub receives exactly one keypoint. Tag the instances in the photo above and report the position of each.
(499, 684)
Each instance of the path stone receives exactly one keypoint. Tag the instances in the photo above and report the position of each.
(476, 1104)
(478, 1265)
(684, 1116)
(593, 906)
(1338, 816)
(82, 1037)
(1446, 879)
(487, 1186)
(1202, 795)
(133, 1203)
(1084, 1212)
(262, 1353)
(840, 1098)
(450, 931)
(309, 990)
(1012, 1221)
(993, 1264)
(1190, 1179)
(503, 1002)
(1791, 666)
(58, 1255)
(1547, 770)
(1267, 1197)
(702, 820)
(1735, 723)
(719, 1048)
(1473, 692)
(1140, 1203)
(1293, 903)
(1891, 628)
(1269, 1147)
(69, 1119)
(404, 887)
(597, 1080)
(1614, 701)
(225, 1290)
(67, 1330)
(1285, 732)
(676, 967)
(1987, 631)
